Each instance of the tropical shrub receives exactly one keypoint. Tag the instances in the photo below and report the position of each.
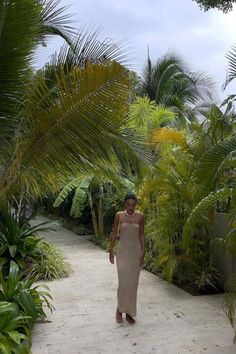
(21, 305)
(168, 195)
(18, 240)
(14, 334)
(49, 263)
(29, 299)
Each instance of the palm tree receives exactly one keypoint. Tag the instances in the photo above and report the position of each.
(170, 83)
(67, 117)
(216, 173)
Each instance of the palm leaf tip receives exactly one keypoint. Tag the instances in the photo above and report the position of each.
(55, 21)
(231, 71)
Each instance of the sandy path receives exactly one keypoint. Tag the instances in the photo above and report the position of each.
(169, 321)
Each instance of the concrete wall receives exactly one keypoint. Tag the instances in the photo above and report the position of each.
(223, 261)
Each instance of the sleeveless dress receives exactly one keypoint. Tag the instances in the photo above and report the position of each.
(128, 265)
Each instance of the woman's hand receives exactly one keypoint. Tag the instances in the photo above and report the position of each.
(142, 259)
(111, 257)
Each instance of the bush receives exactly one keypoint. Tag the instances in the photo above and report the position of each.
(14, 334)
(50, 263)
(20, 306)
(18, 240)
(35, 256)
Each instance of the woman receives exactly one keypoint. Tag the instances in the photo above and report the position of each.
(129, 257)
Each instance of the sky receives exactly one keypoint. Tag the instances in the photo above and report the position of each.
(201, 38)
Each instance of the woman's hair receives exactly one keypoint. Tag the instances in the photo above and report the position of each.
(130, 195)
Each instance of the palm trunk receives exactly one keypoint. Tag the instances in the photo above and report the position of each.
(94, 218)
(18, 206)
(100, 211)
(211, 229)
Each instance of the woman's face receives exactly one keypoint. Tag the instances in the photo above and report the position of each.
(130, 205)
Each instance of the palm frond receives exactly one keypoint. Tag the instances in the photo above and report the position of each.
(146, 86)
(202, 208)
(132, 151)
(87, 48)
(230, 301)
(17, 44)
(73, 124)
(212, 161)
(55, 21)
(169, 135)
(33, 20)
(171, 83)
(199, 88)
(231, 72)
(76, 125)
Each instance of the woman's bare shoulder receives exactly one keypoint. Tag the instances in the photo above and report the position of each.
(140, 215)
(118, 213)
(139, 212)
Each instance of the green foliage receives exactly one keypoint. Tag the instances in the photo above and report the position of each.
(208, 277)
(50, 263)
(80, 195)
(231, 73)
(21, 305)
(215, 162)
(214, 175)
(177, 218)
(223, 5)
(147, 116)
(103, 242)
(14, 334)
(149, 260)
(77, 228)
(167, 197)
(68, 122)
(54, 127)
(18, 240)
(30, 300)
(171, 84)
(230, 301)
(15, 64)
(101, 192)
(200, 211)
(32, 20)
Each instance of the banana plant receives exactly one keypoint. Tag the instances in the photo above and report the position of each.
(96, 192)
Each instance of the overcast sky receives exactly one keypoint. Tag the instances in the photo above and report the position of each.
(202, 39)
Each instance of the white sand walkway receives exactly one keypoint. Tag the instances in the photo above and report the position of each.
(169, 321)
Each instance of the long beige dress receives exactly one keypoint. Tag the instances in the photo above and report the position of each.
(128, 264)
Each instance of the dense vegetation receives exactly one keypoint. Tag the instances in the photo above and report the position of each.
(65, 119)
(83, 130)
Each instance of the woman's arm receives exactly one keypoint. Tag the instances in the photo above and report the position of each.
(113, 237)
(142, 238)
